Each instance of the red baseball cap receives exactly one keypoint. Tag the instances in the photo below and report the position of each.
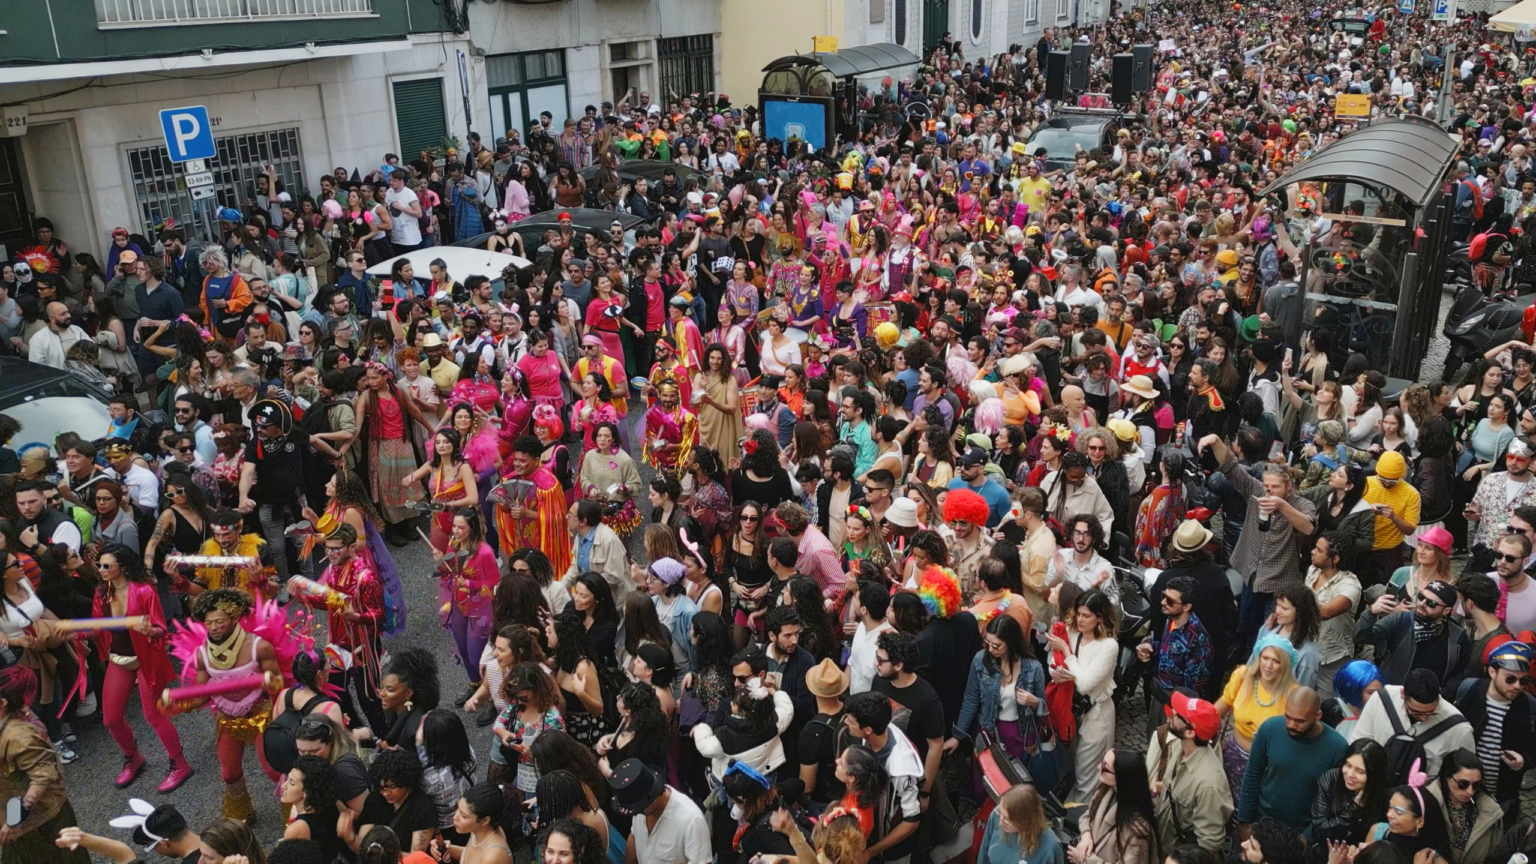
(1198, 713)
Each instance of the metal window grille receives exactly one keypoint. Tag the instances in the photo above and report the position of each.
(687, 65)
(162, 12)
(160, 189)
(978, 18)
(900, 22)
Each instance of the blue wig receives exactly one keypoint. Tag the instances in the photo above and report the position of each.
(1349, 683)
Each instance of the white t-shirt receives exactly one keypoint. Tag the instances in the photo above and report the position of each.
(681, 835)
(406, 230)
(861, 660)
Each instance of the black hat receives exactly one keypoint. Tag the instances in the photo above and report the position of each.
(152, 825)
(272, 412)
(635, 787)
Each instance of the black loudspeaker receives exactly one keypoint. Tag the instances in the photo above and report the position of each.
(1077, 69)
(1121, 79)
(1141, 68)
(1056, 75)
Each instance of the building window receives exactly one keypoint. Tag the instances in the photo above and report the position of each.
(901, 22)
(1031, 11)
(523, 85)
(1061, 10)
(629, 69)
(978, 10)
(160, 13)
(687, 66)
(160, 192)
(419, 116)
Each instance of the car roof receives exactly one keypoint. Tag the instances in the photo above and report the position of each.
(650, 169)
(22, 376)
(1072, 120)
(584, 219)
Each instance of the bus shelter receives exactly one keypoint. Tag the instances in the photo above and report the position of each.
(815, 97)
(1374, 212)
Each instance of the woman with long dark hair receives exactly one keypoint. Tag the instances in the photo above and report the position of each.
(450, 481)
(1473, 818)
(644, 731)
(555, 750)
(1119, 824)
(761, 478)
(576, 674)
(536, 565)
(448, 764)
(746, 566)
(1005, 692)
(384, 414)
(817, 634)
(467, 576)
(1350, 796)
(562, 795)
(592, 607)
(137, 656)
(1089, 663)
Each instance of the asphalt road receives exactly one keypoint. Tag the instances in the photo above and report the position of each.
(90, 778)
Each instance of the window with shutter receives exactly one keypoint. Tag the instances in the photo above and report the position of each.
(419, 116)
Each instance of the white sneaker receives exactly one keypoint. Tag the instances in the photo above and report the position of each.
(87, 706)
(66, 755)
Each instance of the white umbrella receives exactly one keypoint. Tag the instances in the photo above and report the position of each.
(462, 262)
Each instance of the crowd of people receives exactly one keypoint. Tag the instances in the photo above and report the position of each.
(802, 521)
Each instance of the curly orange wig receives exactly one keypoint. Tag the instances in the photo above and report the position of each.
(963, 505)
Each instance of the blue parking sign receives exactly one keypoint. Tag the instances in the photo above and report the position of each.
(187, 133)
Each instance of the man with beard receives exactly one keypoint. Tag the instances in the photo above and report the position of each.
(231, 652)
(1190, 793)
(50, 345)
(43, 526)
(1289, 754)
(256, 579)
(1500, 713)
(530, 506)
(1426, 637)
(1206, 412)
(1515, 586)
(1418, 708)
(966, 513)
(352, 596)
(671, 430)
(1499, 494)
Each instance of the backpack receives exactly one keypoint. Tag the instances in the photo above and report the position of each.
(1404, 748)
(277, 740)
(1474, 199)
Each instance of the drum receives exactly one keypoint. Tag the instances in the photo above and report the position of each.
(799, 336)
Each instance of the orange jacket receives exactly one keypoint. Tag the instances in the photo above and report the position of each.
(240, 297)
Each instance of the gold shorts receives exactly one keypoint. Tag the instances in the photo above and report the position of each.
(247, 728)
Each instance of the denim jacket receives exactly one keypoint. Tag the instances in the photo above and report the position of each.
(982, 687)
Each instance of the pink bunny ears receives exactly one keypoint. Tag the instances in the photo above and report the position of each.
(1416, 781)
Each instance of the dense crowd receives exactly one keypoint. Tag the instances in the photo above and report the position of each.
(838, 512)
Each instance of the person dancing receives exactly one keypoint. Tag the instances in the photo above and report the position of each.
(467, 577)
(228, 651)
(353, 600)
(135, 656)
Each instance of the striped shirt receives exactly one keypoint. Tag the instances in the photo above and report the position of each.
(1490, 743)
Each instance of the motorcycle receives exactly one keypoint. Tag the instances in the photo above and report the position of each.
(1476, 323)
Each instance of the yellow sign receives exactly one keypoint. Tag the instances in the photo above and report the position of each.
(1351, 105)
(824, 44)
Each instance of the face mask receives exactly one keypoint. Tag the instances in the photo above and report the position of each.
(736, 812)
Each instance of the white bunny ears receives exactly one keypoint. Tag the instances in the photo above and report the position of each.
(135, 821)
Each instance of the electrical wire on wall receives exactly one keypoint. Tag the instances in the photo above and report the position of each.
(455, 15)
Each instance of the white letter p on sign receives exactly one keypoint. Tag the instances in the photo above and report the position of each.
(187, 129)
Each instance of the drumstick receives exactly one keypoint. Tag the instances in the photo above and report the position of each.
(125, 622)
(423, 535)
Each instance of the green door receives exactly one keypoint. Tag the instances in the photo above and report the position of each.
(935, 23)
(419, 116)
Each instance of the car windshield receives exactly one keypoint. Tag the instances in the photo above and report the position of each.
(53, 407)
(1058, 142)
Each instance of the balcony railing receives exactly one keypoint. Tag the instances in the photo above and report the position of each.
(159, 13)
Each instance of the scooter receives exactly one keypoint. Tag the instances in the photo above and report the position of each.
(1476, 323)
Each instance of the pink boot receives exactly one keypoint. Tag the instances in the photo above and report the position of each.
(131, 770)
(181, 771)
